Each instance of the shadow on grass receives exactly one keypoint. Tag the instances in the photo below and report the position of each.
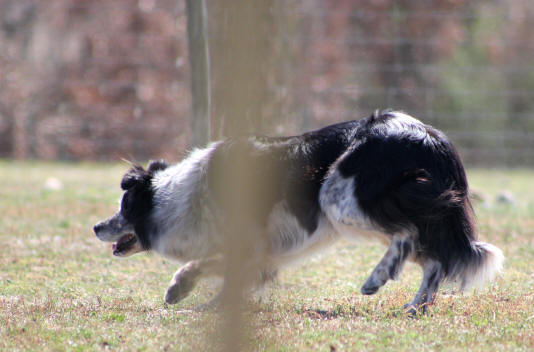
(358, 312)
(337, 312)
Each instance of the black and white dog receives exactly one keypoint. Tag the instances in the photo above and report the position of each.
(388, 177)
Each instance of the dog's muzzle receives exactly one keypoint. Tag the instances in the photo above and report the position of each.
(118, 230)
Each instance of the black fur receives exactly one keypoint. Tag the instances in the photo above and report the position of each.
(411, 175)
(137, 201)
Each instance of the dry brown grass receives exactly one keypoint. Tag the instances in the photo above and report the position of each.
(60, 288)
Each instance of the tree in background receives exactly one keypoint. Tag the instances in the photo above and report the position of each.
(109, 79)
(199, 62)
(240, 47)
(93, 79)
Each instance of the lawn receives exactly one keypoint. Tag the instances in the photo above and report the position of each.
(61, 289)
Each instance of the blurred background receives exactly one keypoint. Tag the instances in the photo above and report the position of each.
(102, 80)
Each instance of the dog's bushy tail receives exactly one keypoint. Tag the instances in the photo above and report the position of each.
(468, 261)
(448, 233)
(484, 262)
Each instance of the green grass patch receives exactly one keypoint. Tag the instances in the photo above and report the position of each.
(60, 288)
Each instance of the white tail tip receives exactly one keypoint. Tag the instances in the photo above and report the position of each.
(490, 265)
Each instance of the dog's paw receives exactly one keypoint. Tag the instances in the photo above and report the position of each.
(179, 289)
(377, 279)
(175, 293)
(369, 289)
(183, 281)
(414, 310)
(371, 286)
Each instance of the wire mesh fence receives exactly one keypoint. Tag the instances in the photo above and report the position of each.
(105, 80)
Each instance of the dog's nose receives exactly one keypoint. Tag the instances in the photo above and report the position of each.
(97, 227)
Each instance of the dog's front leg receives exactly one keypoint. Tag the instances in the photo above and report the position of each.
(185, 279)
(390, 266)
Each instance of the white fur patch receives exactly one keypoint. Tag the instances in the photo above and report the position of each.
(182, 234)
(340, 205)
(338, 201)
(405, 118)
(290, 241)
(476, 276)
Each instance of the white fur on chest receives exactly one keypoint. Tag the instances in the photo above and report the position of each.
(179, 215)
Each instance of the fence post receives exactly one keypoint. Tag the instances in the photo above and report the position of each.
(197, 33)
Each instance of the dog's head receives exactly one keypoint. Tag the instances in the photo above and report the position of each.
(123, 228)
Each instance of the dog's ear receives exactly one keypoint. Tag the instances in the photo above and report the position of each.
(156, 165)
(137, 174)
(134, 176)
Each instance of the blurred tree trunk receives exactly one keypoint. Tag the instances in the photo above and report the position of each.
(239, 40)
(240, 36)
(197, 32)
(6, 134)
(19, 22)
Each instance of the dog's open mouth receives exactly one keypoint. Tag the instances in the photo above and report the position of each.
(126, 245)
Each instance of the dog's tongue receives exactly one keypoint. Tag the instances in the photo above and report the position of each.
(121, 240)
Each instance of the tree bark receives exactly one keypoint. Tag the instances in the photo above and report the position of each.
(241, 49)
(197, 32)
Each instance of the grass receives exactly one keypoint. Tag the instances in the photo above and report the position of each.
(60, 288)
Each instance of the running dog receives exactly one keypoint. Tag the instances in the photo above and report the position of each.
(388, 177)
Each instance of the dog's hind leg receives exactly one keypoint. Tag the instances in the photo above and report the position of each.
(432, 277)
(390, 266)
(185, 279)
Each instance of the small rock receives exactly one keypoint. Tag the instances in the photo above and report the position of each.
(505, 197)
(53, 184)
